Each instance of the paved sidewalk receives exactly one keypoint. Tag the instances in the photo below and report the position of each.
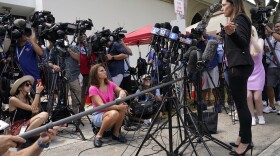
(265, 138)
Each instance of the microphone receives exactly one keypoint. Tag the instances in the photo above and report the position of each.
(20, 23)
(155, 32)
(173, 36)
(186, 56)
(191, 68)
(164, 32)
(210, 51)
(6, 43)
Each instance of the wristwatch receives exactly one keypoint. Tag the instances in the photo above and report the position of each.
(113, 58)
(272, 33)
(42, 145)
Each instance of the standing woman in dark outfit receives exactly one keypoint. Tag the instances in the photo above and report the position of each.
(241, 65)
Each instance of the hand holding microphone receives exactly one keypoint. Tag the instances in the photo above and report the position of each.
(229, 28)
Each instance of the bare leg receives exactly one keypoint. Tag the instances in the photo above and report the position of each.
(250, 102)
(118, 123)
(270, 95)
(258, 102)
(37, 120)
(109, 119)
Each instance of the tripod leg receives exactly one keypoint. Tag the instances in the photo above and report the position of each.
(148, 135)
(51, 94)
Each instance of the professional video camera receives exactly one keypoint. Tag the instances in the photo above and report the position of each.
(41, 17)
(197, 32)
(260, 17)
(118, 34)
(99, 40)
(84, 25)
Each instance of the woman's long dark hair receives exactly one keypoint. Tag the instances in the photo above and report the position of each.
(93, 75)
(238, 7)
(27, 97)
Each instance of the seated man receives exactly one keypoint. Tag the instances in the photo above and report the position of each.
(153, 96)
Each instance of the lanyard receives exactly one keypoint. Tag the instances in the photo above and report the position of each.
(19, 54)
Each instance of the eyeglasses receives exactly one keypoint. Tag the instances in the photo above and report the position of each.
(27, 84)
(147, 79)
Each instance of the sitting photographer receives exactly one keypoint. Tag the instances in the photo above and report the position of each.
(27, 52)
(72, 71)
(101, 92)
(151, 96)
(117, 53)
(24, 111)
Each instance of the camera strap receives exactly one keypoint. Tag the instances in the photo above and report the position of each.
(272, 49)
(19, 54)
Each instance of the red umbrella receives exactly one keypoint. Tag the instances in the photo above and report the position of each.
(140, 36)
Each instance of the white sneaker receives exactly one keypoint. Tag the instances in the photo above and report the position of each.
(268, 109)
(147, 122)
(264, 103)
(278, 113)
(254, 121)
(278, 103)
(261, 120)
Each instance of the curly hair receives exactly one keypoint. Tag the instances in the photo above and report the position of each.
(93, 75)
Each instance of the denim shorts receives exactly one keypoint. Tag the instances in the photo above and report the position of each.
(97, 118)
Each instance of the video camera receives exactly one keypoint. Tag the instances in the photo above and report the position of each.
(118, 34)
(197, 32)
(99, 40)
(260, 17)
(41, 17)
(84, 25)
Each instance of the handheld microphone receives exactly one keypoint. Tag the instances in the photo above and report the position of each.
(191, 68)
(210, 51)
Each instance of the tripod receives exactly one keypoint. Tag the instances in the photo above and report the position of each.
(171, 101)
(59, 80)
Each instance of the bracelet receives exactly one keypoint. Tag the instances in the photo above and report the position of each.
(37, 93)
(113, 58)
(42, 145)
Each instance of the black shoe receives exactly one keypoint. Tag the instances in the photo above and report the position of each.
(120, 138)
(97, 142)
(243, 154)
(233, 144)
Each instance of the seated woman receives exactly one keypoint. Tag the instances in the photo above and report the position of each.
(155, 95)
(22, 106)
(101, 92)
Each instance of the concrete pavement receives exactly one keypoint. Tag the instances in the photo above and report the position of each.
(266, 139)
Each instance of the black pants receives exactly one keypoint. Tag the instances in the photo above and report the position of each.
(238, 77)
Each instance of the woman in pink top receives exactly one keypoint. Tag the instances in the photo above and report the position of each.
(101, 92)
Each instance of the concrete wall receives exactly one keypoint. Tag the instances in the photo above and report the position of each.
(132, 14)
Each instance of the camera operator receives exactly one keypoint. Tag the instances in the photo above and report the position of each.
(27, 51)
(117, 53)
(126, 82)
(85, 64)
(8, 141)
(72, 69)
(273, 71)
(211, 72)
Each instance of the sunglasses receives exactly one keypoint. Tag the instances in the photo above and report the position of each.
(27, 84)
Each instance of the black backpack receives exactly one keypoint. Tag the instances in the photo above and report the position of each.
(141, 66)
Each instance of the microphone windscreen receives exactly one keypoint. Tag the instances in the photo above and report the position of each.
(157, 25)
(175, 29)
(20, 23)
(210, 50)
(191, 68)
(254, 10)
(167, 26)
(188, 52)
(7, 43)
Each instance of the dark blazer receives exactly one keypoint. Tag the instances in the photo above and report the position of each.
(237, 45)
